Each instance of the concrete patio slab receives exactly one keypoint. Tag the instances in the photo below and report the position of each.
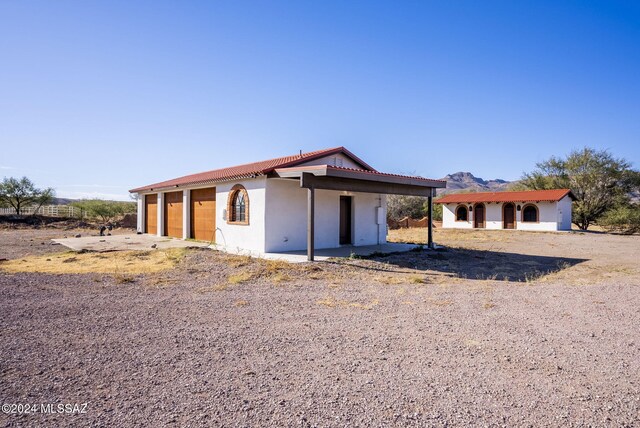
(325, 254)
(125, 242)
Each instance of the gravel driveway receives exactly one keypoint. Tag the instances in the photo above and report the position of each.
(344, 344)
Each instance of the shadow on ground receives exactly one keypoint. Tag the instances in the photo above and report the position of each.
(478, 264)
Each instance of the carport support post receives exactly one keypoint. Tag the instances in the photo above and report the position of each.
(430, 221)
(310, 223)
(141, 213)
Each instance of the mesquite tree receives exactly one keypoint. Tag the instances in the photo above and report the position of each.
(597, 179)
(19, 193)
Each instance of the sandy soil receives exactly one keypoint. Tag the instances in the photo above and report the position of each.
(16, 243)
(500, 329)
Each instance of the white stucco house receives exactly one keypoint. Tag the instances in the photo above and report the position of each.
(548, 210)
(322, 199)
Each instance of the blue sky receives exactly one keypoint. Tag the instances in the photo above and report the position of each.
(99, 97)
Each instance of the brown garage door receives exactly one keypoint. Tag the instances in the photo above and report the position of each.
(151, 214)
(173, 214)
(203, 214)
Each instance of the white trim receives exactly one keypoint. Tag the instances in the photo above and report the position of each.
(160, 213)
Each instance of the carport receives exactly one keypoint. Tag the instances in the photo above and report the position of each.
(327, 177)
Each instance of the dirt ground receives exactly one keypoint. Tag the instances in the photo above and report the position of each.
(498, 328)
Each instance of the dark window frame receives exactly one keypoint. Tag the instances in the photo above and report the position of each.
(528, 207)
(466, 213)
(238, 206)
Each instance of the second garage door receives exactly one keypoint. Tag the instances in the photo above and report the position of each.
(151, 214)
(203, 214)
(173, 214)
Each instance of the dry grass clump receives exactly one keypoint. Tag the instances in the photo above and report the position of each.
(123, 279)
(236, 261)
(241, 303)
(275, 271)
(390, 280)
(280, 277)
(417, 279)
(116, 262)
(332, 302)
(240, 277)
(418, 235)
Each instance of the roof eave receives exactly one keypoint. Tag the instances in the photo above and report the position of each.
(156, 188)
(326, 171)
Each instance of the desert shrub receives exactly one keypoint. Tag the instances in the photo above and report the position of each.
(416, 207)
(105, 210)
(622, 219)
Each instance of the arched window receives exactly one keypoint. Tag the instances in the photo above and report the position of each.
(530, 214)
(462, 214)
(238, 205)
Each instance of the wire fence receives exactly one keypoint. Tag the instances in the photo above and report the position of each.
(48, 211)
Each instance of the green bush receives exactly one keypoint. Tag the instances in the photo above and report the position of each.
(416, 207)
(105, 210)
(623, 219)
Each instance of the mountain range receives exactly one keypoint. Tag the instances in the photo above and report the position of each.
(465, 181)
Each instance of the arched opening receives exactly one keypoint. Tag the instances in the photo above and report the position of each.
(530, 214)
(479, 220)
(238, 205)
(509, 216)
(462, 214)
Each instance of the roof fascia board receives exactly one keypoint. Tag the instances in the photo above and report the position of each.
(324, 171)
(311, 181)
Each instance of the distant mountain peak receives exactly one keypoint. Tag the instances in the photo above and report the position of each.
(464, 180)
(464, 177)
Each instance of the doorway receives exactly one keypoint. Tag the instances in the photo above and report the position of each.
(345, 220)
(509, 216)
(478, 216)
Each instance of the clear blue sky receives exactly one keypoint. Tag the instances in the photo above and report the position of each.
(99, 97)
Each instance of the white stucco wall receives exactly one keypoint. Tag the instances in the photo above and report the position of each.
(335, 160)
(278, 217)
(141, 213)
(551, 215)
(286, 217)
(449, 218)
(238, 237)
(493, 216)
(564, 213)
(547, 217)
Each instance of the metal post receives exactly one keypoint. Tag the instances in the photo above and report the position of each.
(430, 223)
(310, 223)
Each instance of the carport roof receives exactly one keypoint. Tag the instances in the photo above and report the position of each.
(356, 174)
(553, 195)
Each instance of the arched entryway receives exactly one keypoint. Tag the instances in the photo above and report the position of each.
(509, 216)
(479, 216)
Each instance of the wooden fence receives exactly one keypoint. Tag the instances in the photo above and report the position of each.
(48, 211)
(411, 222)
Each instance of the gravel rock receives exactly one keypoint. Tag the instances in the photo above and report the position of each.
(334, 347)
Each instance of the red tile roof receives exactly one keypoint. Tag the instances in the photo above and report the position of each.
(523, 196)
(250, 170)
